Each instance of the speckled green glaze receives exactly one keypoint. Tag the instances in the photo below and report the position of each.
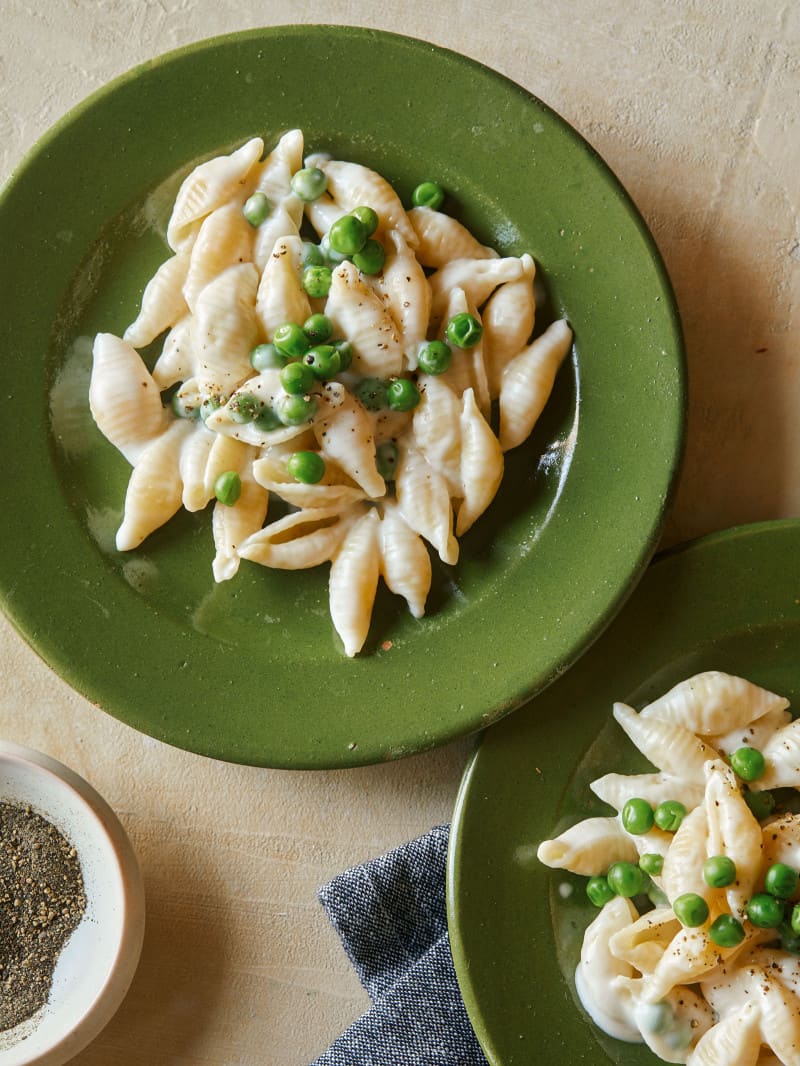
(251, 670)
(728, 602)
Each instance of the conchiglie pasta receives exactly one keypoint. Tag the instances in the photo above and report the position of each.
(707, 984)
(372, 473)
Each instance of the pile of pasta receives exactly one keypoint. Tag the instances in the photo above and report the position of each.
(228, 286)
(648, 977)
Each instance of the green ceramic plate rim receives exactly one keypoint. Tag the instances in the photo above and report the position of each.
(424, 731)
(479, 787)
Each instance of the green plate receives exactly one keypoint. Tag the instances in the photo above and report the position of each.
(728, 602)
(251, 670)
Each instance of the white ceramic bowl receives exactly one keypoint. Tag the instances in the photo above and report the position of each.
(98, 962)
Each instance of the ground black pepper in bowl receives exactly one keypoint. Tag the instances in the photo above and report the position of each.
(42, 900)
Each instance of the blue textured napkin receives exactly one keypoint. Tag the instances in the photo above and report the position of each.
(390, 916)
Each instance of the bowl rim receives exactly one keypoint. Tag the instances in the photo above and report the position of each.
(418, 737)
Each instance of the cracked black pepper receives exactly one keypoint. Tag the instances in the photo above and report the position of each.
(42, 900)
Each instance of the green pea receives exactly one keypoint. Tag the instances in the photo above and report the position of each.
(372, 393)
(308, 467)
(311, 255)
(669, 815)
(182, 409)
(464, 330)
(599, 891)
(345, 350)
(748, 763)
(790, 941)
(761, 804)
(781, 881)
(256, 209)
(323, 360)
(267, 420)
(295, 410)
(317, 281)
(290, 340)
(297, 378)
(331, 255)
(267, 357)
(726, 932)
(244, 407)
(652, 863)
(625, 879)
(434, 357)
(690, 909)
(347, 235)
(795, 919)
(309, 183)
(228, 488)
(386, 456)
(428, 194)
(371, 258)
(637, 817)
(402, 395)
(318, 329)
(719, 871)
(209, 405)
(655, 1017)
(764, 911)
(368, 217)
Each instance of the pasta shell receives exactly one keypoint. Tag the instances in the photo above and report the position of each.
(683, 862)
(267, 388)
(714, 702)
(477, 277)
(406, 295)
(441, 238)
(225, 239)
(405, 564)
(781, 842)
(670, 747)
(589, 847)
(424, 503)
(690, 956)
(274, 180)
(323, 212)
(346, 438)
(782, 756)
(528, 381)
(224, 329)
(642, 943)
(508, 320)
(354, 582)
(281, 296)
(780, 1017)
(195, 452)
(226, 453)
(755, 735)
(437, 428)
(163, 303)
(232, 525)
(274, 476)
(351, 185)
(175, 362)
(154, 489)
(301, 540)
(359, 315)
(209, 186)
(617, 789)
(733, 831)
(481, 464)
(467, 370)
(123, 398)
(600, 978)
(735, 1039)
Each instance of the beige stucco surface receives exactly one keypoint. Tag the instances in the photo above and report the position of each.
(694, 104)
